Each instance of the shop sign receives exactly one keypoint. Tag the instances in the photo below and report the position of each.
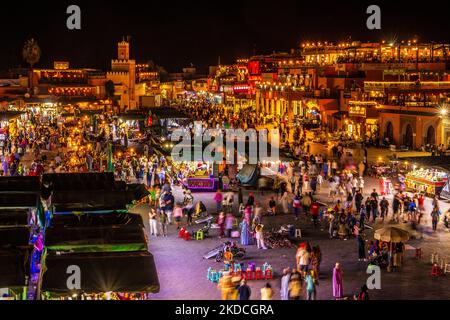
(357, 111)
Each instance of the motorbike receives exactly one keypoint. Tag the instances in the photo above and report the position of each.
(238, 253)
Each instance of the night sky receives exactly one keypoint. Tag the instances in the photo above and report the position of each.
(176, 33)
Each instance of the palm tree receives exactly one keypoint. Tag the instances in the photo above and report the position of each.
(31, 53)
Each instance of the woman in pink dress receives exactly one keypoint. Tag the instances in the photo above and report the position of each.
(338, 282)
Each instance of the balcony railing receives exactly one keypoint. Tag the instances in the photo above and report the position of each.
(405, 85)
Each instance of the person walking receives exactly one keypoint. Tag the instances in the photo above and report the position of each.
(285, 202)
(272, 205)
(245, 233)
(384, 205)
(244, 291)
(178, 214)
(218, 198)
(153, 221)
(229, 221)
(361, 247)
(221, 224)
(295, 285)
(435, 218)
(311, 283)
(164, 221)
(260, 237)
(226, 286)
(338, 279)
(296, 204)
(315, 208)
(267, 292)
(284, 291)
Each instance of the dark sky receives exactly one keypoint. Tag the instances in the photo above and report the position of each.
(175, 33)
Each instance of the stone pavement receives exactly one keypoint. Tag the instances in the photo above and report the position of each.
(182, 270)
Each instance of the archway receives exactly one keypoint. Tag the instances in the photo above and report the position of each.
(389, 132)
(431, 136)
(408, 136)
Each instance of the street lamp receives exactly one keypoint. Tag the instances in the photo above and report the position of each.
(444, 112)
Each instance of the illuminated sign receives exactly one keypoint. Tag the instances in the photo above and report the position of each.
(61, 65)
(356, 111)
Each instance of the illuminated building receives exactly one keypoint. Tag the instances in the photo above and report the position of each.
(123, 74)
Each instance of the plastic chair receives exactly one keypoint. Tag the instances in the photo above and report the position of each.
(447, 268)
(418, 254)
(258, 274)
(268, 275)
(435, 271)
(208, 275)
(249, 274)
(187, 236)
(199, 235)
(215, 277)
(434, 257)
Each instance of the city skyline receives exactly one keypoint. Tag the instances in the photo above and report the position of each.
(182, 34)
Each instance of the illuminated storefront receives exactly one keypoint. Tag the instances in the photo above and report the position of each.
(362, 121)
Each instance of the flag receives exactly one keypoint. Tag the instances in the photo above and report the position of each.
(110, 166)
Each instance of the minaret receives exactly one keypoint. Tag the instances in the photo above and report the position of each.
(123, 50)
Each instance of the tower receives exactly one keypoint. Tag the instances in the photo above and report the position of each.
(123, 50)
(123, 74)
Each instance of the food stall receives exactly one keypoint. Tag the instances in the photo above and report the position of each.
(196, 175)
(431, 181)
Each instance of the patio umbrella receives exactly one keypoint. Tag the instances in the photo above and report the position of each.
(391, 234)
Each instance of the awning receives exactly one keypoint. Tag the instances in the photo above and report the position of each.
(79, 201)
(101, 272)
(117, 238)
(338, 115)
(13, 266)
(8, 115)
(14, 237)
(13, 218)
(28, 184)
(438, 162)
(97, 220)
(18, 200)
(80, 181)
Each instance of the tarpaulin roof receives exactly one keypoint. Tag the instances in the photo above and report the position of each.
(89, 201)
(132, 116)
(136, 191)
(168, 113)
(13, 266)
(8, 115)
(442, 163)
(18, 200)
(20, 184)
(248, 175)
(101, 272)
(96, 239)
(14, 237)
(17, 217)
(96, 220)
(80, 181)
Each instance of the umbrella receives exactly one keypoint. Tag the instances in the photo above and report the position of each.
(391, 234)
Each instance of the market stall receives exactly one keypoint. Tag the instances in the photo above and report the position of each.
(104, 275)
(196, 175)
(430, 181)
(13, 274)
